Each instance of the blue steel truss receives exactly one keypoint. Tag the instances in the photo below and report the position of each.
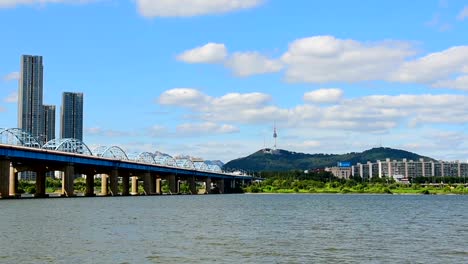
(200, 165)
(16, 136)
(113, 152)
(185, 163)
(71, 145)
(214, 168)
(165, 160)
(144, 157)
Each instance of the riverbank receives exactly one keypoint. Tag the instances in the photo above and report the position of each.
(380, 189)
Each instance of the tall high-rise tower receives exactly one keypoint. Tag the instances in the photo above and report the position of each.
(49, 122)
(30, 109)
(72, 115)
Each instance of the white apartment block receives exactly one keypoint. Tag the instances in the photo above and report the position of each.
(410, 169)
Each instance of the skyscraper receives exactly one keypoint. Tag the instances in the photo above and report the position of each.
(30, 110)
(72, 115)
(49, 122)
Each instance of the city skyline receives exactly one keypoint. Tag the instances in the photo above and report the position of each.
(210, 80)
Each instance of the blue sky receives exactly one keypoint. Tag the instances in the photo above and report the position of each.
(209, 78)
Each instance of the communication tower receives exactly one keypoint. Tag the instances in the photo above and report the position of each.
(275, 135)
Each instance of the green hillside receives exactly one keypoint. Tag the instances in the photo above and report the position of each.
(283, 160)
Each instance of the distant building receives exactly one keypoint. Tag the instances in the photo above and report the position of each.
(30, 95)
(30, 109)
(342, 173)
(49, 122)
(72, 116)
(410, 169)
(342, 170)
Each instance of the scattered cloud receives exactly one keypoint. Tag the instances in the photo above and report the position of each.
(2, 109)
(209, 128)
(370, 114)
(245, 64)
(186, 97)
(14, 3)
(433, 67)
(209, 53)
(196, 100)
(323, 59)
(460, 83)
(190, 8)
(463, 14)
(344, 60)
(330, 95)
(11, 76)
(11, 98)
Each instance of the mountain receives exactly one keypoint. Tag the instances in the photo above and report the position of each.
(283, 160)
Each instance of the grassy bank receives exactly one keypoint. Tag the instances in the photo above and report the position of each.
(324, 183)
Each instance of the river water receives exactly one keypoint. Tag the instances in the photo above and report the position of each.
(236, 229)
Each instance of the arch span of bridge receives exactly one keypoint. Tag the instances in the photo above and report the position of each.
(21, 152)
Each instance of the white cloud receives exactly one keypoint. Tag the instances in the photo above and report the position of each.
(322, 59)
(185, 97)
(12, 98)
(370, 114)
(192, 98)
(460, 83)
(463, 14)
(245, 64)
(188, 8)
(234, 100)
(209, 53)
(324, 96)
(12, 76)
(433, 67)
(13, 3)
(207, 128)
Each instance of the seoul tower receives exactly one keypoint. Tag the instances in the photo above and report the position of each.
(275, 135)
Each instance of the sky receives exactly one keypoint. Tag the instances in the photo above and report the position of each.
(211, 78)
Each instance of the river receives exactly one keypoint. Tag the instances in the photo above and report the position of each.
(248, 228)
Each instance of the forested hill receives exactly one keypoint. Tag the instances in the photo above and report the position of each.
(283, 160)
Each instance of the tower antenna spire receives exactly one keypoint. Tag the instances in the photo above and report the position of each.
(275, 135)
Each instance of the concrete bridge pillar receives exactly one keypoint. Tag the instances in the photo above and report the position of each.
(114, 183)
(207, 185)
(40, 184)
(14, 182)
(192, 185)
(125, 185)
(104, 188)
(173, 184)
(220, 184)
(134, 186)
(147, 183)
(4, 178)
(153, 184)
(90, 185)
(67, 181)
(158, 185)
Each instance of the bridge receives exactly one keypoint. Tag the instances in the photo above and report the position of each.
(20, 152)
